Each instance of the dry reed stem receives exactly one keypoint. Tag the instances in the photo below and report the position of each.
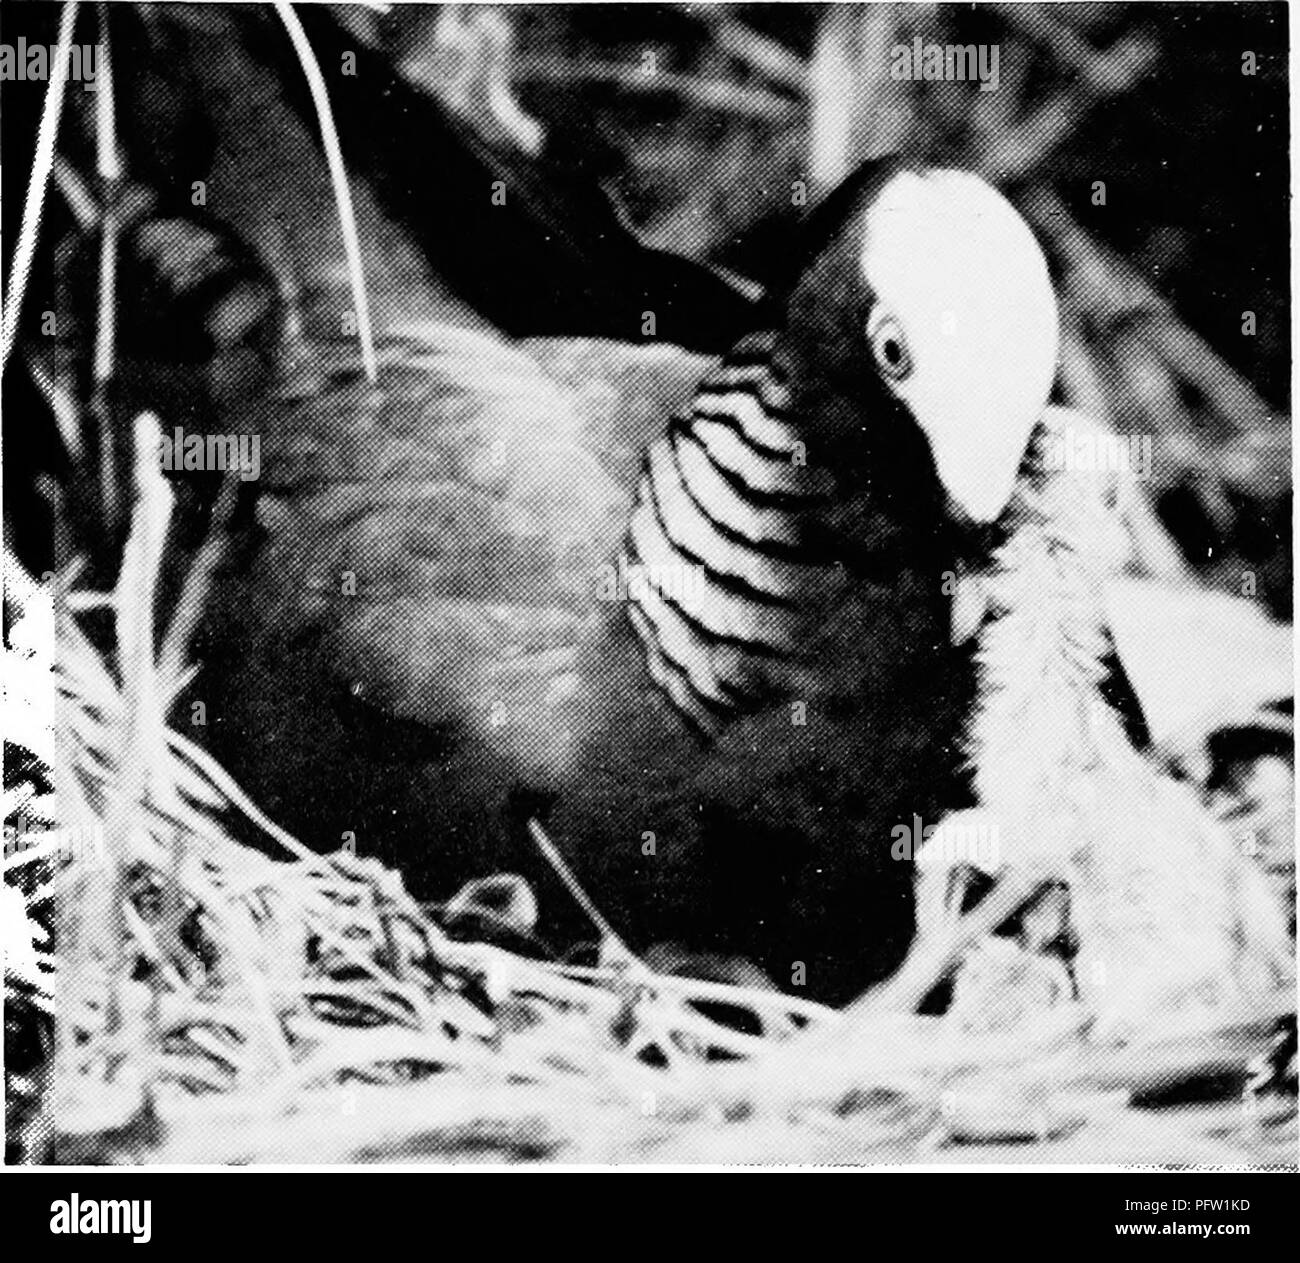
(108, 167)
(37, 185)
(338, 178)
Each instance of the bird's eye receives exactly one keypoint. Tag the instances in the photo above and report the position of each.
(889, 348)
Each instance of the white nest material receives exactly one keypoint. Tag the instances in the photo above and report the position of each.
(1169, 913)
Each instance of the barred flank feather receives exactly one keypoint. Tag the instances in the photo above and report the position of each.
(723, 576)
(1168, 912)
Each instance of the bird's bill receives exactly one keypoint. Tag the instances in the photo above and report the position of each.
(958, 270)
(978, 455)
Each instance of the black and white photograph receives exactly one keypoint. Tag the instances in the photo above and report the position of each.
(703, 587)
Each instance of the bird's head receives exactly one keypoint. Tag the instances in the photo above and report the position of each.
(925, 287)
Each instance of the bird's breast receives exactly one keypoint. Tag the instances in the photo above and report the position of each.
(740, 580)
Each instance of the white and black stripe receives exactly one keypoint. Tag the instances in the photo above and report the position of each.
(728, 585)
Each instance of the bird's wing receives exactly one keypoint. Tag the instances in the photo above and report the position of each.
(447, 531)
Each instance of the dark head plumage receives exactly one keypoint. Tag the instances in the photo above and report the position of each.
(920, 295)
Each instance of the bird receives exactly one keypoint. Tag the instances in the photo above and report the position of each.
(689, 613)
(692, 612)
